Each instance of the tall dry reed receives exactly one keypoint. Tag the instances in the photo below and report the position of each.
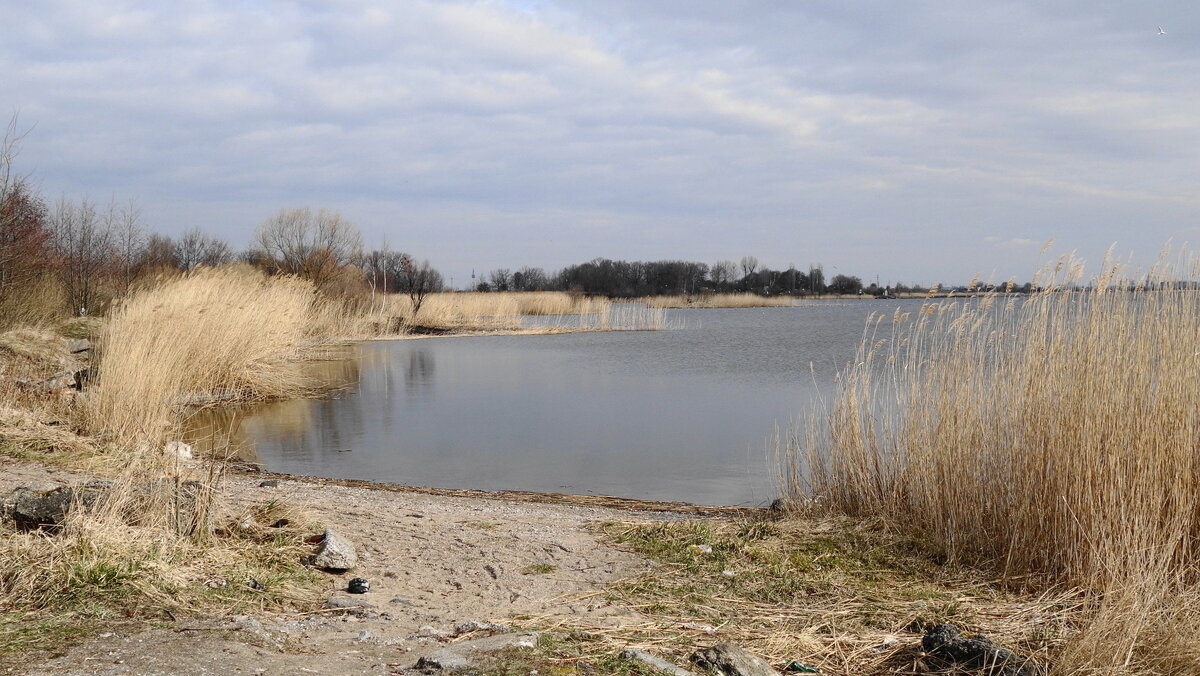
(225, 329)
(503, 311)
(1053, 437)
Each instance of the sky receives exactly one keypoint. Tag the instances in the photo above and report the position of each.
(900, 141)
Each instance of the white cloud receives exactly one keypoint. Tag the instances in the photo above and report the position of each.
(812, 130)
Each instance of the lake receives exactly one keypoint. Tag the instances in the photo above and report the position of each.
(687, 413)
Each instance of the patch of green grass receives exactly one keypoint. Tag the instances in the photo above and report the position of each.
(539, 569)
(482, 525)
(24, 634)
(562, 654)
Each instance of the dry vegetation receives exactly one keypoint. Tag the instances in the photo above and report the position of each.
(842, 595)
(473, 312)
(226, 329)
(1050, 439)
(155, 536)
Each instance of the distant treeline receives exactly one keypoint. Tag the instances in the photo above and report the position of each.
(629, 279)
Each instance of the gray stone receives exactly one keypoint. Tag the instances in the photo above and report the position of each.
(33, 508)
(727, 659)
(335, 553)
(655, 662)
(77, 345)
(461, 655)
(947, 642)
(475, 625)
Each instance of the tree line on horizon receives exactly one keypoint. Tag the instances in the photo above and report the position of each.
(632, 279)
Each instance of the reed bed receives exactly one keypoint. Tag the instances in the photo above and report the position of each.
(1050, 438)
(229, 329)
(467, 312)
(724, 300)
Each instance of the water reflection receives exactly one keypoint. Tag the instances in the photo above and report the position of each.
(418, 377)
(686, 414)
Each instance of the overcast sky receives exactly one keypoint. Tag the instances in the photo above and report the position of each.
(913, 141)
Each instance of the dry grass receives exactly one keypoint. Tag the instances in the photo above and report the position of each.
(228, 329)
(38, 302)
(1050, 438)
(504, 311)
(727, 300)
(841, 595)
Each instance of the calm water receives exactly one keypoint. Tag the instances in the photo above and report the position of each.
(683, 414)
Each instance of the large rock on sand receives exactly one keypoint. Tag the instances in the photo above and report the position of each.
(335, 553)
(33, 507)
(727, 659)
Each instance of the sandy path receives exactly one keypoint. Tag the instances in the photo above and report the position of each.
(433, 561)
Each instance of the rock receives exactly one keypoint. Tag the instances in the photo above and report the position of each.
(364, 636)
(359, 585)
(727, 659)
(32, 508)
(335, 553)
(55, 383)
(460, 655)
(655, 662)
(77, 345)
(475, 625)
(947, 642)
(178, 450)
(269, 483)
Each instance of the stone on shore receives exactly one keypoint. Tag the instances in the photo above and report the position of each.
(655, 662)
(335, 553)
(727, 659)
(462, 655)
(947, 642)
(33, 507)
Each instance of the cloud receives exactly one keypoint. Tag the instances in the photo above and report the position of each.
(559, 130)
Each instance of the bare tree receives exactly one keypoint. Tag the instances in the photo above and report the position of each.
(749, 265)
(382, 269)
(530, 279)
(157, 253)
(314, 245)
(24, 234)
(83, 243)
(196, 248)
(128, 238)
(418, 280)
(722, 272)
(501, 279)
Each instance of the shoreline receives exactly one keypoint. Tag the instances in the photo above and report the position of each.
(548, 498)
